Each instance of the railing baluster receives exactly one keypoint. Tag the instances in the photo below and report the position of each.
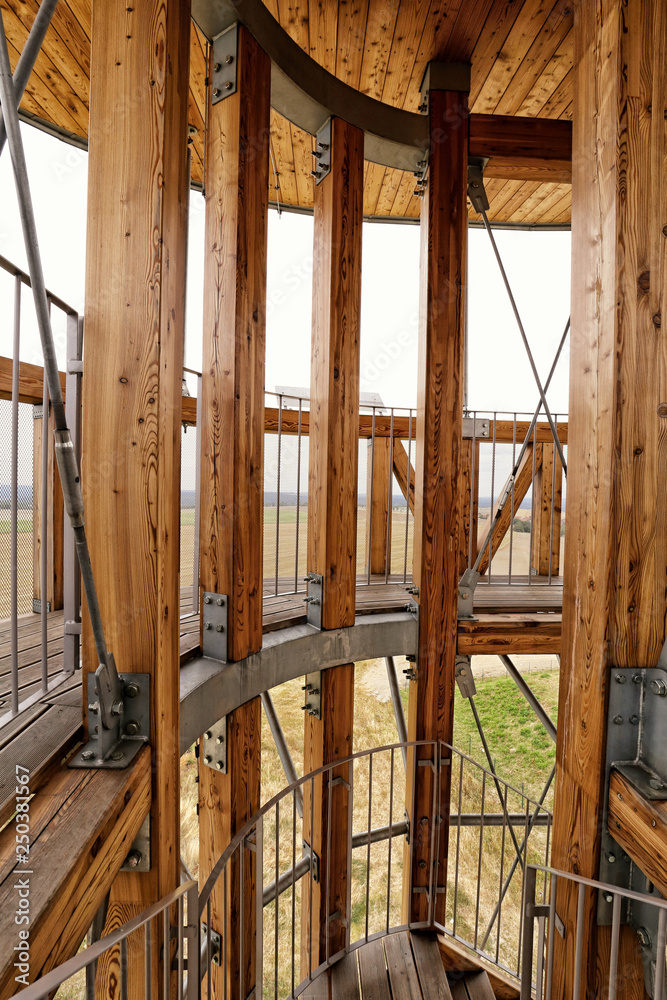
(14, 598)
(552, 931)
(196, 559)
(148, 982)
(579, 946)
(407, 500)
(275, 930)
(179, 986)
(368, 841)
(387, 563)
(660, 956)
(458, 848)
(293, 886)
(391, 823)
(298, 499)
(615, 939)
(481, 851)
(280, 438)
(44, 527)
(123, 968)
(369, 500)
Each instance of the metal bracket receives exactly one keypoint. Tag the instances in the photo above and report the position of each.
(214, 747)
(406, 817)
(467, 584)
(37, 606)
(475, 428)
(308, 852)
(313, 689)
(464, 677)
(139, 856)
(216, 943)
(322, 153)
(412, 673)
(476, 190)
(636, 747)
(214, 632)
(117, 746)
(223, 78)
(314, 600)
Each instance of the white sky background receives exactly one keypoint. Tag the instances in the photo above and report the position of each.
(538, 265)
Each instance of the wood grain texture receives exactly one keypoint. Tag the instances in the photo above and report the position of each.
(332, 530)
(132, 384)
(640, 827)
(55, 513)
(535, 634)
(84, 825)
(378, 509)
(31, 379)
(430, 966)
(546, 512)
(616, 548)
(232, 473)
(437, 479)
(456, 957)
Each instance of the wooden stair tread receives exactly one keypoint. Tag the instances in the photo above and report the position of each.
(428, 960)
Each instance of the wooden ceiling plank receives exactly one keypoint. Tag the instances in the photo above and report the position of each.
(302, 146)
(294, 19)
(523, 191)
(468, 27)
(558, 208)
(388, 191)
(81, 11)
(374, 175)
(281, 143)
(352, 20)
(560, 99)
(497, 27)
(412, 23)
(542, 213)
(381, 22)
(42, 93)
(549, 82)
(557, 31)
(323, 33)
(528, 24)
(198, 70)
(533, 203)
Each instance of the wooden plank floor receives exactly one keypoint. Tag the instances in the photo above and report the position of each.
(398, 967)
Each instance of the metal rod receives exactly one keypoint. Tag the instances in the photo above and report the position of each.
(280, 439)
(368, 837)
(148, 982)
(387, 558)
(14, 602)
(391, 823)
(479, 856)
(552, 931)
(276, 896)
(528, 931)
(283, 749)
(28, 57)
(660, 956)
(615, 940)
(298, 499)
(369, 500)
(67, 464)
(43, 544)
(534, 821)
(528, 694)
(480, 730)
(399, 714)
(71, 575)
(517, 463)
(540, 388)
(579, 947)
(407, 500)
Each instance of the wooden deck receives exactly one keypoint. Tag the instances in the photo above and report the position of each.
(523, 617)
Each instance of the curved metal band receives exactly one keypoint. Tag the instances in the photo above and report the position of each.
(211, 690)
(393, 137)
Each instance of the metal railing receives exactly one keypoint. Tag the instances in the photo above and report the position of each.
(30, 675)
(157, 924)
(537, 971)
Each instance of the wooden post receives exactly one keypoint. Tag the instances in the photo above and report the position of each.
(378, 503)
(615, 569)
(54, 518)
(437, 487)
(135, 292)
(232, 470)
(332, 541)
(546, 514)
(469, 504)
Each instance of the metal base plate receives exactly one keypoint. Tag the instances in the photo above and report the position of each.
(135, 718)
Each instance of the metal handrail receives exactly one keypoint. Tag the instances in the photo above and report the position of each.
(18, 272)
(44, 986)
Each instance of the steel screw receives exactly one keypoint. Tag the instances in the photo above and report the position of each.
(207, 599)
(132, 727)
(218, 765)
(133, 859)
(656, 784)
(618, 719)
(208, 734)
(620, 678)
(634, 719)
(208, 759)
(117, 708)
(219, 628)
(658, 687)
(219, 739)
(132, 690)
(608, 897)
(208, 626)
(87, 755)
(94, 707)
(117, 755)
(611, 858)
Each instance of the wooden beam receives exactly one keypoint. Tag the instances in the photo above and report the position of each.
(543, 142)
(507, 632)
(31, 380)
(232, 469)
(457, 958)
(405, 474)
(332, 529)
(640, 827)
(132, 386)
(379, 476)
(437, 487)
(546, 512)
(82, 824)
(615, 567)
(522, 483)
(469, 503)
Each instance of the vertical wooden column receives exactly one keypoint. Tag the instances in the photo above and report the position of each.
(437, 486)
(469, 504)
(232, 468)
(546, 514)
(378, 509)
(134, 317)
(332, 522)
(615, 576)
(54, 515)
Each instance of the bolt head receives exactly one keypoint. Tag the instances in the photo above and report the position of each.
(656, 784)
(219, 602)
(207, 626)
(608, 897)
(132, 689)
(207, 599)
(208, 734)
(133, 859)
(87, 754)
(94, 707)
(219, 740)
(634, 719)
(218, 765)
(620, 678)
(618, 719)
(228, 84)
(216, 67)
(132, 727)
(229, 60)
(117, 755)
(219, 628)
(644, 937)
(658, 687)
(117, 708)
(611, 858)
(208, 759)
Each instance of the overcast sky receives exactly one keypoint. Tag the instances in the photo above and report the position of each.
(500, 379)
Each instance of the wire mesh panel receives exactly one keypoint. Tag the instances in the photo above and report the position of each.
(25, 510)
